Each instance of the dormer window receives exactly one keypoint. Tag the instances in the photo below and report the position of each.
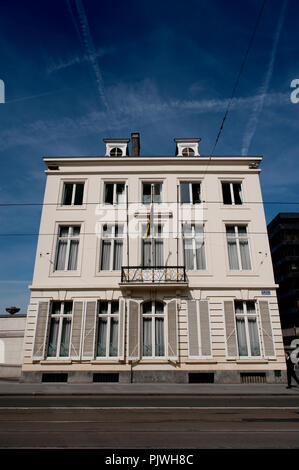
(116, 152)
(117, 147)
(187, 147)
(188, 152)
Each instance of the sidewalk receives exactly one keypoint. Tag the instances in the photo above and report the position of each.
(16, 388)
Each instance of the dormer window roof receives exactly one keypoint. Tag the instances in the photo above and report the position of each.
(117, 147)
(187, 147)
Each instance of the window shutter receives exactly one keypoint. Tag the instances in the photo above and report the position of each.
(193, 329)
(231, 339)
(172, 330)
(266, 329)
(133, 331)
(76, 330)
(41, 331)
(204, 328)
(89, 330)
(122, 312)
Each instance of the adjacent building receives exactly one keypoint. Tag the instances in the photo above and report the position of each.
(153, 269)
(12, 330)
(283, 233)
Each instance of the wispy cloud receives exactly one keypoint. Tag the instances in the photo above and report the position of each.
(133, 104)
(259, 104)
(77, 60)
(85, 36)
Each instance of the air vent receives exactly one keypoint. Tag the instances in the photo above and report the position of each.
(103, 377)
(55, 377)
(201, 378)
(253, 377)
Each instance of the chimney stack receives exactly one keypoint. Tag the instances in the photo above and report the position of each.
(135, 138)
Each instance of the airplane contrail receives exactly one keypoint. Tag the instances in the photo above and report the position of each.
(85, 37)
(259, 103)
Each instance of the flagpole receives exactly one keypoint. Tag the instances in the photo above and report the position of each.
(152, 230)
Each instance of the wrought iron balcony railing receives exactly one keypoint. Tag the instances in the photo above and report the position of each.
(155, 274)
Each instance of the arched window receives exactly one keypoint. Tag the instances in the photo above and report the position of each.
(116, 152)
(153, 329)
(188, 152)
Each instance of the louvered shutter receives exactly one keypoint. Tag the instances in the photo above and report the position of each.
(193, 329)
(204, 328)
(230, 328)
(76, 330)
(89, 330)
(41, 331)
(172, 330)
(121, 344)
(266, 329)
(133, 331)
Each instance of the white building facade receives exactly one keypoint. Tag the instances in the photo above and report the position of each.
(153, 269)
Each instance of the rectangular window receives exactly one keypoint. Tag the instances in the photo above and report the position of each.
(232, 193)
(67, 248)
(111, 247)
(238, 247)
(60, 329)
(151, 190)
(153, 321)
(108, 329)
(190, 193)
(194, 246)
(247, 329)
(72, 194)
(114, 193)
(152, 246)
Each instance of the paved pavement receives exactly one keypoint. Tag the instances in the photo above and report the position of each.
(16, 388)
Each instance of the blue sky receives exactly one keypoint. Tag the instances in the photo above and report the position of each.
(77, 71)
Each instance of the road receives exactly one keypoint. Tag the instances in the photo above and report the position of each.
(154, 422)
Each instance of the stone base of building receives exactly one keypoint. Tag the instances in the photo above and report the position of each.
(151, 376)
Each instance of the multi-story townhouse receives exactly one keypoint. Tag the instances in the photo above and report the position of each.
(153, 268)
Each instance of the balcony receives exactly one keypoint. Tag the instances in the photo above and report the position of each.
(153, 275)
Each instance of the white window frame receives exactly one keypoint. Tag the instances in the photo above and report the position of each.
(109, 316)
(74, 189)
(193, 236)
(114, 201)
(152, 183)
(69, 238)
(237, 238)
(190, 183)
(246, 316)
(232, 195)
(111, 237)
(152, 316)
(154, 235)
(61, 316)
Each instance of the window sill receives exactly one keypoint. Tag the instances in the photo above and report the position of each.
(65, 274)
(106, 361)
(236, 206)
(70, 207)
(241, 273)
(154, 360)
(252, 361)
(56, 361)
(201, 361)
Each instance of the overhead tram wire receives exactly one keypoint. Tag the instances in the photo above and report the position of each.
(239, 76)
